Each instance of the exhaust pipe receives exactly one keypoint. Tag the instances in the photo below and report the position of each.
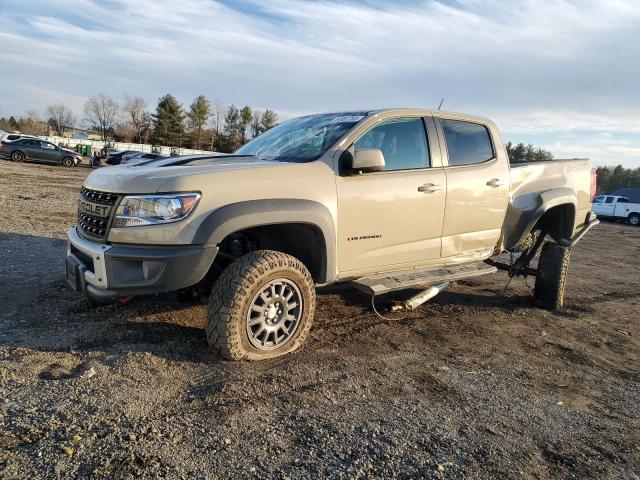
(422, 297)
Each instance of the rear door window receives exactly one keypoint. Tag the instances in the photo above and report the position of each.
(467, 143)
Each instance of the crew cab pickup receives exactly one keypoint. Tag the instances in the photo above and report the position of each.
(616, 207)
(386, 199)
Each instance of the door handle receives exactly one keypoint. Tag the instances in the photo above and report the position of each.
(429, 188)
(495, 183)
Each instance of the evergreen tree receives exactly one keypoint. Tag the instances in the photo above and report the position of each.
(521, 153)
(231, 140)
(168, 121)
(197, 115)
(269, 120)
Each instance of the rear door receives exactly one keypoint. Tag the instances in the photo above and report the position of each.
(477, 173)
(392, 218)
(621, 207)
(30, 148)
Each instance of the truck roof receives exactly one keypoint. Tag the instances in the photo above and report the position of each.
(412, 112)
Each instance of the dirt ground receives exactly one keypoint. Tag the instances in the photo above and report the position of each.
(476, 384)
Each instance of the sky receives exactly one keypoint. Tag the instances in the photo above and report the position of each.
(561, 74)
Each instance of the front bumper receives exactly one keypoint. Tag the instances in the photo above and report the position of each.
(107, 272)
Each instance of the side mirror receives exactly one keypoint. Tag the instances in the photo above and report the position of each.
(368, 160)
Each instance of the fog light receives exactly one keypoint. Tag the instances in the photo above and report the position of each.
(151, 268)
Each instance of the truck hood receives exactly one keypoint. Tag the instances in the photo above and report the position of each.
(159, 175)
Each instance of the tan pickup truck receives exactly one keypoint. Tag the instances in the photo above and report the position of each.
(387, 199)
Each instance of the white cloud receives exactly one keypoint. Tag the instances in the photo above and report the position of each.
(536, 67)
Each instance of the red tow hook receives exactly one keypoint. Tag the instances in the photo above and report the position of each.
(126, 299)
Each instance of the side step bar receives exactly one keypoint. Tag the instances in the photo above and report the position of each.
(422, 277)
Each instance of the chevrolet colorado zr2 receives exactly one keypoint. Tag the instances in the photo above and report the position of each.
(387, 199)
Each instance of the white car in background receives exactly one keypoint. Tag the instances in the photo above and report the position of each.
(10, 137)
(616, 207)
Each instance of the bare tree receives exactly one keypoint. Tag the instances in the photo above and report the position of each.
(217, 110)
(31, 124)
(135, 109)
(101, 113)
(61, 118)
(256, 123)
(246, 115)
(146, 125)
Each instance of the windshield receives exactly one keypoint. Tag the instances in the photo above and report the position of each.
(301, 139)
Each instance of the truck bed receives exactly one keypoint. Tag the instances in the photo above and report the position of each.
(530, 180)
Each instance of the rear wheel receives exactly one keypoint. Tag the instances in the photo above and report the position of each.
(551, 279)
(67, 162)
(261, 307)
(17, 156)
(634, 219)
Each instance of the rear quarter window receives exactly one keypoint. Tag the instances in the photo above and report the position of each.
(467, 143)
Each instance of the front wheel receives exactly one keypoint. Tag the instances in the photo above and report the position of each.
(551, 278)
(634, 219)
(67, 162)
(261, 307)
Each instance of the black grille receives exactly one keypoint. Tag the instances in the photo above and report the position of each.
(99, 197)
(92, 225)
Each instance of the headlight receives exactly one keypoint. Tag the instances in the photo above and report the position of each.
(138, 210)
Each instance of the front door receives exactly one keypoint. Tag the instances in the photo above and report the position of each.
(47, 152)
(392, 218)
(608, 207)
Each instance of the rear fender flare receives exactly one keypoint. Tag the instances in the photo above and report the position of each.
(546, 201)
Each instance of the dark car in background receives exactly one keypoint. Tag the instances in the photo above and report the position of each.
(36, 150)
(135, 158)
(114, 158)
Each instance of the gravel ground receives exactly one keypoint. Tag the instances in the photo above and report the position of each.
(475, 384)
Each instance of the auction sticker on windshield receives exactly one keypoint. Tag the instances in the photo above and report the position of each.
(347, 119)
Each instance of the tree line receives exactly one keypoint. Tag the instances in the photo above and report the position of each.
(522, 153)
(612, 178)
(202, 125)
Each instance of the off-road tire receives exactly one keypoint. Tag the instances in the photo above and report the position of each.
(67, 162)
(233, 292)
(551, 279)
(17, 156)
(633, 219)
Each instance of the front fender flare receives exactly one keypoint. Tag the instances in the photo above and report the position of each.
(254, 213)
